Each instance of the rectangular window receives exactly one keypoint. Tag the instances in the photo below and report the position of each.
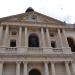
(53, 44)
(12, 43)
(52, 34)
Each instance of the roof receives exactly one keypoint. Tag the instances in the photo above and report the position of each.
(31, 13)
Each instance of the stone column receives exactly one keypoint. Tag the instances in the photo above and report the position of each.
(48, 37)
(1, 68)
(1, 31)
(6, 36)
(46, 68)
(60, 38)
(25, 68)
(73, 67)
(65, 38)
(26, 37)
(53, 68)
(67, 68)
(18, 68)
(20, 35)
(42, 37)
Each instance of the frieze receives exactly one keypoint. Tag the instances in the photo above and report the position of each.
(32, 24)
(35, 55)
(29, 59)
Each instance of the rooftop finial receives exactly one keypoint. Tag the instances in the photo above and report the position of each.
(29, 9)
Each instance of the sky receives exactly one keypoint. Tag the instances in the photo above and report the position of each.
(63, 10)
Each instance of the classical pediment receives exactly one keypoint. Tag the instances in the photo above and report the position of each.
(32, 16)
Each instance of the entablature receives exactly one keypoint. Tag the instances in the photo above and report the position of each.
(38, 24)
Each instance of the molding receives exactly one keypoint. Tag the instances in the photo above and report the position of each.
(36, 55)
(37, 24)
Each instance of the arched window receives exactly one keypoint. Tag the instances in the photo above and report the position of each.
(34, 72)
(33, 41)
(71, 44)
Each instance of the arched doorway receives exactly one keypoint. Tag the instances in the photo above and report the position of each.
(34, 72)
(71, 44)
(33, 41)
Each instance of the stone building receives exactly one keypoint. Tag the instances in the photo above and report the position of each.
(35, 44)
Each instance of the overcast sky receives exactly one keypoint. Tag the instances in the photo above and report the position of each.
(63, 10)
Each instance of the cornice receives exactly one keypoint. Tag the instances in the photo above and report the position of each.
(30, 22)
(36, 55)
(37, 24)
(34, 59)
(33, 24)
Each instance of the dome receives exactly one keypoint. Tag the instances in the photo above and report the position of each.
(30, 9)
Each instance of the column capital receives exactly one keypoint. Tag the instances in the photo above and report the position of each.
(73, 62)
(42, 27)
(18, 62)
(20, 27)
(67, 62)
(25, 62)
(46, 62)
(25, 26)
(52, 62)
(47, 28)
(7, 27)
(1, 26)
(1, 62)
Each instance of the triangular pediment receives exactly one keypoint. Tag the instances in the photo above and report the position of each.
(31, 17)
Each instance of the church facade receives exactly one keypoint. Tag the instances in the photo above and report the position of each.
(35, 44)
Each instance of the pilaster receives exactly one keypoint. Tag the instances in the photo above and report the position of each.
(48, 37)
(20, 35)
(73, 67)
(67, 68)
(25, 68)
(60, 38)
(26, 37)
(65, 38)
(42, 37)
(6, 36)
(1, 68)
(46, 68)
(1, 31)
(18, 68)
(53, 68)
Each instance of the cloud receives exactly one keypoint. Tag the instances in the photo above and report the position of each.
(55, 8)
